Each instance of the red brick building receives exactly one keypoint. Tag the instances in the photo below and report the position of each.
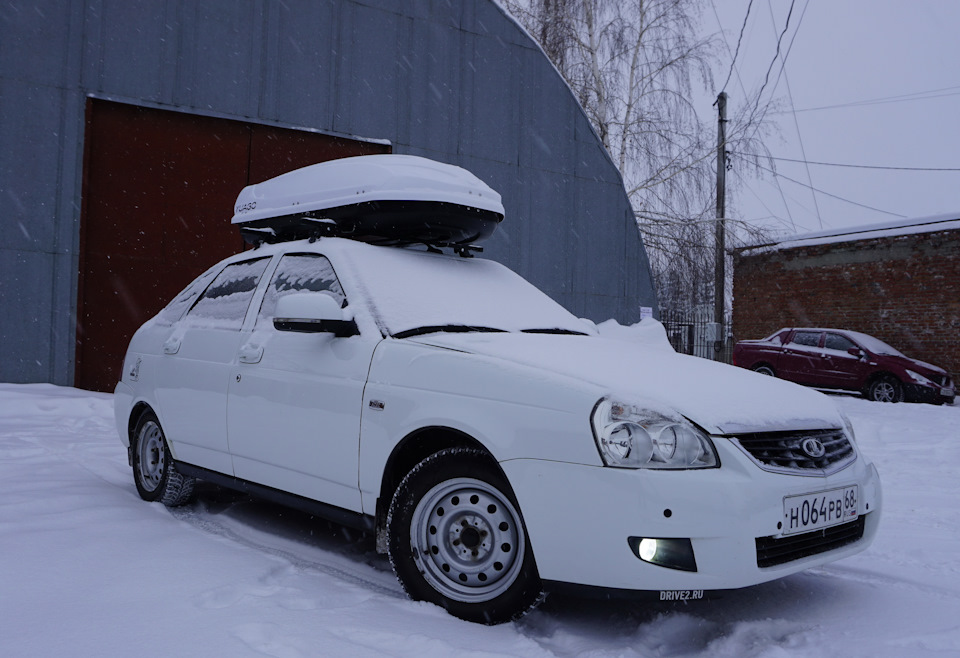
(898, 281)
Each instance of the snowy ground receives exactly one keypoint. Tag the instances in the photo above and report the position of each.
(88, 569)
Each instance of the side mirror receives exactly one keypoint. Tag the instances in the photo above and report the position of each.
(855, 351)
(311, 313)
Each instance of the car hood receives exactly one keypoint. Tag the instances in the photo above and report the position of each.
(722, 399)
(918, 367)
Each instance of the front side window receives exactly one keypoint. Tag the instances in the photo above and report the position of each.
(224, 303)
(838, 342)
(807, 338)
(300, 273)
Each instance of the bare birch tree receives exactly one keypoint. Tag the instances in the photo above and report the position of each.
(634, 65)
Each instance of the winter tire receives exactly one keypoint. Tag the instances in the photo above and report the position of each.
(456, 539)
(885, 389)
(153, 470)
(765, 370)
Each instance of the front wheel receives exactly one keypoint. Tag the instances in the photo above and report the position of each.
(154, 472)
(456, 539)
(885, 389)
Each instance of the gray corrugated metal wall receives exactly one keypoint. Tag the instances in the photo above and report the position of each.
(453, 80)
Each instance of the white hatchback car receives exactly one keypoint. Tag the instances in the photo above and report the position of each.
(496, 444)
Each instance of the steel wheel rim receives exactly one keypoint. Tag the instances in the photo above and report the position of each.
(764, 370)
(467, 540)
(151, 456)
(884, 392)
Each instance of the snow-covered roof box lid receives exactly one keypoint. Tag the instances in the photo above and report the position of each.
(375, 198)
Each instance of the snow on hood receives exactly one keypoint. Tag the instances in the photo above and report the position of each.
(648, 333)
(919, 366)
(720, 398)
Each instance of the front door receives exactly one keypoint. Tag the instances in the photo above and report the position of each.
(843, 369)
(295, 400)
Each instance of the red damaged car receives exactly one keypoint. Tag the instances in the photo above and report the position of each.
(845, 360)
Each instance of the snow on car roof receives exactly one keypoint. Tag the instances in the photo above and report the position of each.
(361, 179)
(866, 340)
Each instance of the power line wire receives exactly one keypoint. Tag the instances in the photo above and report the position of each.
(834, 196)
(739, 40)
(766, 108)
(796, 123)
(851, 166)
(901, 98)
(726, 44)
(776, 55)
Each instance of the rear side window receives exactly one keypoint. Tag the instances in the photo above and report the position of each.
(809, 338)
(174, 310)
(300, 273)
(224, 303)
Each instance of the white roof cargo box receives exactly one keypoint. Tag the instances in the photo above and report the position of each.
(392, 199)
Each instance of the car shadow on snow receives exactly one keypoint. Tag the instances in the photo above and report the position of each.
(777, 612)
(784, 613)
(283, 523)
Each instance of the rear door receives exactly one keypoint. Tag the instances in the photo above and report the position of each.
(196, 363)
(800, 360)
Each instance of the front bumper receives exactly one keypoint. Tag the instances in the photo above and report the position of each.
(579, 518)
(918, 393)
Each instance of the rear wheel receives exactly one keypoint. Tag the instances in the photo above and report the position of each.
(885, 389)
(764, 369)
(154, 472)
(456, 539)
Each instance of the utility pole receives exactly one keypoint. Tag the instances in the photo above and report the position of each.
(719, 284)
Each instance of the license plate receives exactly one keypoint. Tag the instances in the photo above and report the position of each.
(820, 510)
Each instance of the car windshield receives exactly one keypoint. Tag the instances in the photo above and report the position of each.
(414, 292)
(874, 345)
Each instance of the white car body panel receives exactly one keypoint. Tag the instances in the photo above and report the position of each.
(194, 397)
(312, 383)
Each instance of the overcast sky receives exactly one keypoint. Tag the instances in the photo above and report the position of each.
(848, 53)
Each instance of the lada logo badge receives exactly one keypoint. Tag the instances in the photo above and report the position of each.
(813, 448)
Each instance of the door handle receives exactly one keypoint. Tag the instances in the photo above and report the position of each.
(172, 346)
(250, 353)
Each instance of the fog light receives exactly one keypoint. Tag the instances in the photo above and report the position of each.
(647, 549)
(669, 553)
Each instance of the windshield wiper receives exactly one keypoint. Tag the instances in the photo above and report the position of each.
(563, 332)
(445, 328)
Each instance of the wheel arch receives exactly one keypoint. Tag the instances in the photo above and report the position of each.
(410, 451)
(880, 374)
(136, 413)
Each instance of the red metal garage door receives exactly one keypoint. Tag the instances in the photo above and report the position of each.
(158, 194)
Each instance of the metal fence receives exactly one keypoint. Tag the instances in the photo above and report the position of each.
(694, 332)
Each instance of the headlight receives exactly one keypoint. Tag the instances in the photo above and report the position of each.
(920, 379)
(628, 437)
(848, 425)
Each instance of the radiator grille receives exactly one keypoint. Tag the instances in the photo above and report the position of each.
(772, 551)
(784, 451)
